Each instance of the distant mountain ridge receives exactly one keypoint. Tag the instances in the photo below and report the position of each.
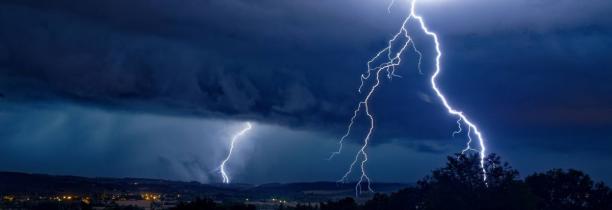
(17, 182)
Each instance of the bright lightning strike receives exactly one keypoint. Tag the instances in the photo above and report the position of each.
(471, 126)
(236, 137)
(389, 59)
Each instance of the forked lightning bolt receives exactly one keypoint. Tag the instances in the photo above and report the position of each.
(236, 137)
(391, 59)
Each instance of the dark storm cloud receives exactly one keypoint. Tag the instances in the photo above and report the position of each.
(520, 68)
(192, 58)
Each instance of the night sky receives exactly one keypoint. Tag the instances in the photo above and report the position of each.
(156, 88)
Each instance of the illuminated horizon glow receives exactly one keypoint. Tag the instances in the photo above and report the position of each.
(224, 174)
(389, 66)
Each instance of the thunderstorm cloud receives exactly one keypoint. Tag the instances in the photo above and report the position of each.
(535, 75)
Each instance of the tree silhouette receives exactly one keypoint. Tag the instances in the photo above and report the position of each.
(208, 204)
(460, 185)
(197, 204)
(378, 202)
(297, 207)
(343, 204)
(564, 190)
(601, 197)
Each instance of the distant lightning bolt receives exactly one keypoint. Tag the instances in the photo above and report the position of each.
(390, 6)
(391, 60)
(235, 138)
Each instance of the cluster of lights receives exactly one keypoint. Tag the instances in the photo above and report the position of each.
(65, 198)
(8, 198)
(150, 197)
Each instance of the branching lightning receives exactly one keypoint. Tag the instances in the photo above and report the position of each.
(236, 137)
(391, 59)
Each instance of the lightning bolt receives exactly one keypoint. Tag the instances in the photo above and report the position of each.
(236, 137)
(471, 126)
(391, 59)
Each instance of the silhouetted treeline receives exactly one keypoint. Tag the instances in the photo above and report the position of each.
(460, 185)
(208, 204)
